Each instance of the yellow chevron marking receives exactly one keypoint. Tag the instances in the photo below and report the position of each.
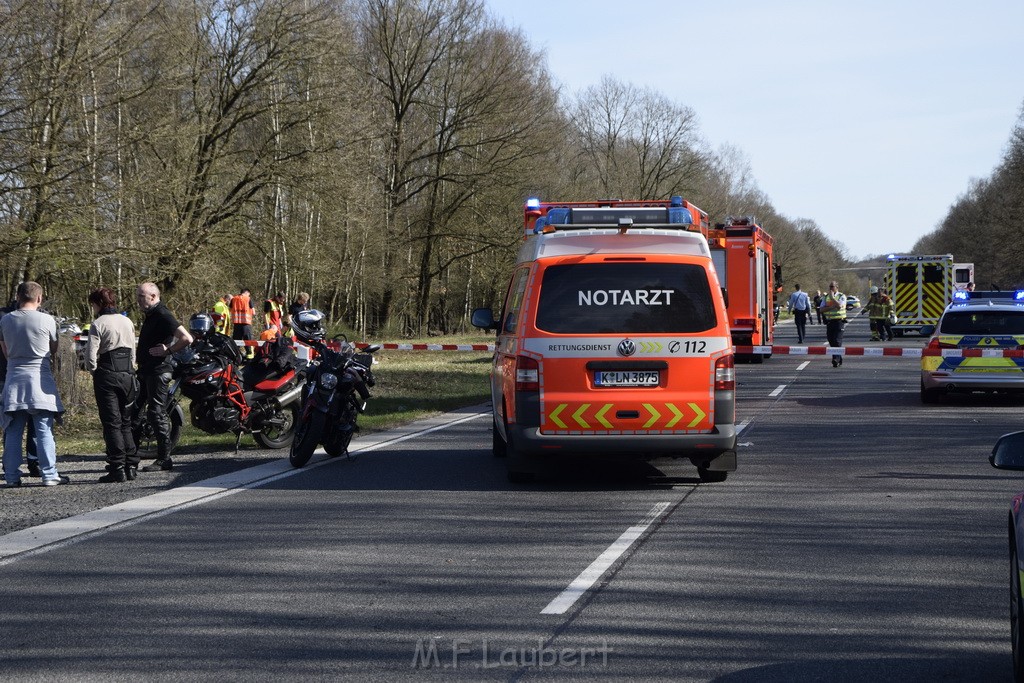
(674, 420)
(650, 347)
(555, 412)
(578, 416)
(600, 416)
(700, 415)
(654, 415)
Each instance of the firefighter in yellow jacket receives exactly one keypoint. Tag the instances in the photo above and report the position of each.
(833, 308)
(878, 309)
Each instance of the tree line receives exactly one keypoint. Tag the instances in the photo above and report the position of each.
(985, 225)
(375, 153)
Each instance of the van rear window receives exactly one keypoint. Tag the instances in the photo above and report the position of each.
(625, 298)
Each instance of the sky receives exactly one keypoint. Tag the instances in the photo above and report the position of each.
(868, 117)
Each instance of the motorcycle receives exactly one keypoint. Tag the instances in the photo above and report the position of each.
(260, 397)
(336, 392)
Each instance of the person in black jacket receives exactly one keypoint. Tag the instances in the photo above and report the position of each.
(160, 337)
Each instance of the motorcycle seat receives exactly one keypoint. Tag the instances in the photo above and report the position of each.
(262, 378)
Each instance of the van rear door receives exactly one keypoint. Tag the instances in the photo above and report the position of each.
(627, 345)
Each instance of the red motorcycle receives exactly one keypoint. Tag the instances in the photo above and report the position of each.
(260, 397)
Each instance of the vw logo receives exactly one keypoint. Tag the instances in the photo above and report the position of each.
(627, 347)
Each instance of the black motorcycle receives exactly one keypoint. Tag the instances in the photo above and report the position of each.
(259, 397)
(336, 392)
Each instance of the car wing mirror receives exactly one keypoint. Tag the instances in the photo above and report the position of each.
(484, 319)
(1008, 453)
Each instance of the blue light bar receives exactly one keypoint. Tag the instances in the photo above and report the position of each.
(960, 295)
(533, 203)
(1019, 295)
(675, 200)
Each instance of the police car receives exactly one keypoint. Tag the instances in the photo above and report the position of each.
(968, 350)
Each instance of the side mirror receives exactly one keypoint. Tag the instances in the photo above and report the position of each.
(927, 330)
(1008, 453)
(484, 319)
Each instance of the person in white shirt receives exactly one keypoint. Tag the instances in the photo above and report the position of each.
(800, 307)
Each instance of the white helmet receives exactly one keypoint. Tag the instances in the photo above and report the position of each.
(874, 290)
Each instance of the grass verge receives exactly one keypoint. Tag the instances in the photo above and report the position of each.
(410, 385)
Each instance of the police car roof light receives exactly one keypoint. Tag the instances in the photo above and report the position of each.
(961, 295)
(1018, 295)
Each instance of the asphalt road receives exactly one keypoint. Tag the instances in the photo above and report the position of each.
(862, 539)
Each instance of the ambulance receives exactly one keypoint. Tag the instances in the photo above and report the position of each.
(613, 340)
(921, 286)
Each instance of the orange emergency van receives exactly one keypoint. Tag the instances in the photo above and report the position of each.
(613, 340)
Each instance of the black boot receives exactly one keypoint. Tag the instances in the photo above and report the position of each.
(33, 469)
(114, 475)
(159, 465)
(131, 472)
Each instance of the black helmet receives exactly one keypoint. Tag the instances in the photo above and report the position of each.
(200, 324)
(309, 325)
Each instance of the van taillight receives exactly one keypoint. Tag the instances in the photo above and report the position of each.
(725, 374)
(527, 374)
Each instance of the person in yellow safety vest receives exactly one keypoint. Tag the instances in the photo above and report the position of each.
(833, 308)
(878, 309)
(241, 319)
(222, 315)
(273, 310)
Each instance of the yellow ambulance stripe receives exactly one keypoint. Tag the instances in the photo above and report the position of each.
(700, 414)
(654, 414)
(554, 414)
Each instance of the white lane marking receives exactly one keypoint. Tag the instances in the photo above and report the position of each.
(778, 390)
(741, 426)
(62, 532)
(582, 583)
(803, 365)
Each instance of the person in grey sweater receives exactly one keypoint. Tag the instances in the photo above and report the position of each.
(109, 357)
(28, 338)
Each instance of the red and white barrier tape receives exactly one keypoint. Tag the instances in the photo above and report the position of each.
(891, 351)
(880, 351)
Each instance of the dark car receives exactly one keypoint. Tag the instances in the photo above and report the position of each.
(1008, 454)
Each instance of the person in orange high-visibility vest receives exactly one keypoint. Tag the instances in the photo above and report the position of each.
(273, 308)
(242, 314)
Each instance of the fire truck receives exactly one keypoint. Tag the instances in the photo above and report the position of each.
(742, 253)
(921, 286)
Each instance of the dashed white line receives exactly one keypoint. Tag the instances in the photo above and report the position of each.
(778, 390)
(803, 365)
(582, 583)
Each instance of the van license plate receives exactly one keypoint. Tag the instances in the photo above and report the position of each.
(627, 378)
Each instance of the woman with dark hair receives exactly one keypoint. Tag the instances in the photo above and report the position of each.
(109, 357)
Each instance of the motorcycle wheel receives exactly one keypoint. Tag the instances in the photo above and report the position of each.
(307, 436)
(145, 438)
(280, 437)
(338, 442)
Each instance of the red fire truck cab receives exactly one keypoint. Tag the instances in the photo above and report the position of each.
(742, 253)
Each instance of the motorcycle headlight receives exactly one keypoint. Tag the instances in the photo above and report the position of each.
(328, 380)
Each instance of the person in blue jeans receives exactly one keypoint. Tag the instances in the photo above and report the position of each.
(28, 338)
